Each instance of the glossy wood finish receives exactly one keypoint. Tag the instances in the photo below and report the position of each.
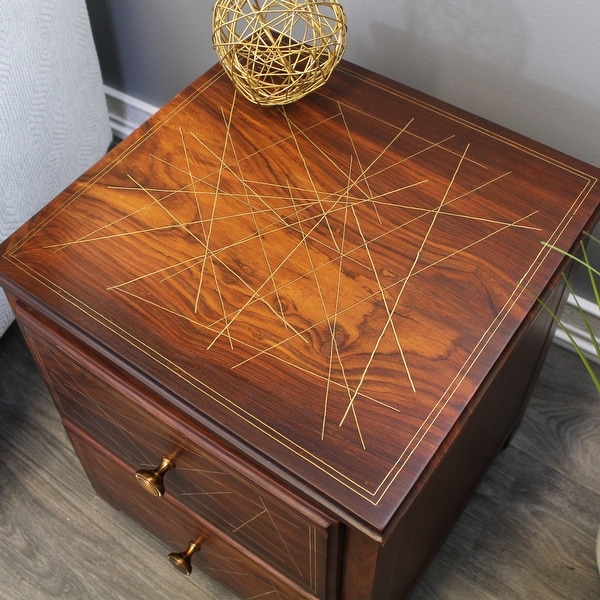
(173, 525)
(527, 532)
(216, 485)
(343, 291)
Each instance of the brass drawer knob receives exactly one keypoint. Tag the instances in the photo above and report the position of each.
(182, 561)
(153, 481)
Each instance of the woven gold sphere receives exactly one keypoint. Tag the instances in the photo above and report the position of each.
(277, 51)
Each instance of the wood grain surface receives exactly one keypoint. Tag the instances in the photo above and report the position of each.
(326, 284)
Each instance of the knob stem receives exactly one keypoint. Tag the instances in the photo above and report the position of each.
(153, 480)
(182, 561)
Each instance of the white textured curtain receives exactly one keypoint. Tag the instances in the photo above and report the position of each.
(53, 116)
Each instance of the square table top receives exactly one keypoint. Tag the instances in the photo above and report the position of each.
(325, 284)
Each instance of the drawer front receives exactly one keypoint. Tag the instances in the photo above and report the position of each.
(177, 528)
(222, 488)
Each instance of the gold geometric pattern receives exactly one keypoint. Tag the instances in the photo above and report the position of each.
(306, 247)
(295, 260)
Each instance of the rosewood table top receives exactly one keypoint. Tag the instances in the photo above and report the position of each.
(325, 285)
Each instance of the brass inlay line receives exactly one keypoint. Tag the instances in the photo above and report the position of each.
(226, 493)
(404, 284)
(265, 594)
(249, 520)
(281, 538)
(333, 327)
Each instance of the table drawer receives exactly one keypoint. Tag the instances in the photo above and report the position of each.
(175, 526)
(219, 486)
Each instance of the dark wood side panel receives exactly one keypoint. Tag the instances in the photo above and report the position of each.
(429, 514)
(436, 503)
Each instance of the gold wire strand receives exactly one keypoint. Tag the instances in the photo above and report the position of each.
(277, 51)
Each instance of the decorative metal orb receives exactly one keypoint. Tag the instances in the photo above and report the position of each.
(277, 51)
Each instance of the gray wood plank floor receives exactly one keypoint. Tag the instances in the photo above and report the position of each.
(528, 532)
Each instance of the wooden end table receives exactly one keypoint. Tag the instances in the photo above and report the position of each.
(292, 339)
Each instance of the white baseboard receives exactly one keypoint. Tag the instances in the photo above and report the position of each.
(576, 329)
(125, 112)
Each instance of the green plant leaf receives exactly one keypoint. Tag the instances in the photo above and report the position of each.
(592, 272)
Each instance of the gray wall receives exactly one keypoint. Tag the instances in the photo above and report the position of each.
(531, 65)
